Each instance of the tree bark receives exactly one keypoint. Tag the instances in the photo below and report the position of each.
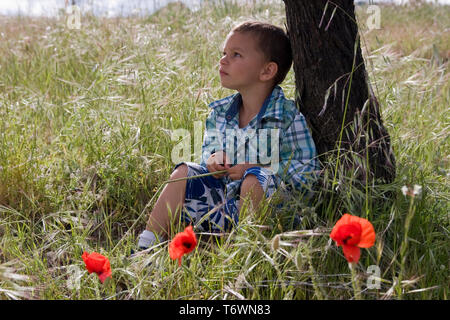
(333, 89)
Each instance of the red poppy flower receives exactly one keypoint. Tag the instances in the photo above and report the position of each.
(352, 233)
(95, 262)
(183, 243)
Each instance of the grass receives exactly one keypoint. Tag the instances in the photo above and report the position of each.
(85, 143)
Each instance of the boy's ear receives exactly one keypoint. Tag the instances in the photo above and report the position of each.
(269, 72)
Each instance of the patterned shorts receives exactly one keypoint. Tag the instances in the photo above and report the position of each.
(206, 204)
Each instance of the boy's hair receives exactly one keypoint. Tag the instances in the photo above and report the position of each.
(273, 42)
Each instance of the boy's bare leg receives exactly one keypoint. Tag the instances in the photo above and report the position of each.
(173, 195)
(251, 187)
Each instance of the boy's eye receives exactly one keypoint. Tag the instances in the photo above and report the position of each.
(235, 54)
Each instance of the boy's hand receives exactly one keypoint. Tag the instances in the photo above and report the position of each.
(216, 162)
(237, 171)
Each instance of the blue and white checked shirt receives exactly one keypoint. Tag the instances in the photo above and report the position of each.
(294, 163)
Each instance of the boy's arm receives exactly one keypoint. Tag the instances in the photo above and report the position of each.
(297, 154)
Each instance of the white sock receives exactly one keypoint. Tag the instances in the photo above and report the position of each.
(147, 239)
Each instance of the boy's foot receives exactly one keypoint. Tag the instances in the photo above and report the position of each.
(146, 240)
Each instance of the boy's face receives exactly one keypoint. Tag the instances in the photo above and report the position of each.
(242, 62)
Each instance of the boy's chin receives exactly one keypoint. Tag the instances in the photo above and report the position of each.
(228, 86)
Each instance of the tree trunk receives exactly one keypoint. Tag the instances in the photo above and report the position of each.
(325, 44)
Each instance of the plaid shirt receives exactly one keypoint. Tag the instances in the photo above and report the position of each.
(278, 120)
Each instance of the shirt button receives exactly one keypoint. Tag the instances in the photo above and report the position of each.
(228, 117)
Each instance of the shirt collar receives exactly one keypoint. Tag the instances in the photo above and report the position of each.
(268, 109)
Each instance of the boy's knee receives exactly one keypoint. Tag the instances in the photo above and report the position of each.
(250, 182)
(180, 172)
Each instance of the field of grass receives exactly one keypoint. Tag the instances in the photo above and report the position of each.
(85, 143)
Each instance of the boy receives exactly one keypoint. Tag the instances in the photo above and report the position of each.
(256, 58)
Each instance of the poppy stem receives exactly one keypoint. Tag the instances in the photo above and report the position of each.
(355, 282)
(404, 247)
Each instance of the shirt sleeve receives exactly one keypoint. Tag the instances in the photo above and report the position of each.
(298, 161)
(212, 139)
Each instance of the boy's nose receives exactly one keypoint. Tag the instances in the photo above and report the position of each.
(223, 60)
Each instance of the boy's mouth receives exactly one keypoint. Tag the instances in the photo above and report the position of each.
(223, 73)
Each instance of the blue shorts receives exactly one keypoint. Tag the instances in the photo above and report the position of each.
(206, 205)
